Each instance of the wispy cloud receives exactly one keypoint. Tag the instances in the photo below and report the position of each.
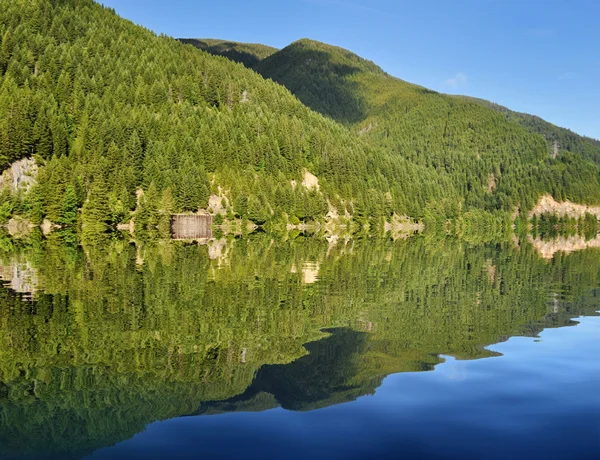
(568, 76)
(540, 32)
(460, 79)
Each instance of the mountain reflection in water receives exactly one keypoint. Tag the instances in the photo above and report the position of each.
(327, 375)
(113, 338)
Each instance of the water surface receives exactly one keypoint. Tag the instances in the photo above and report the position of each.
(301, 349)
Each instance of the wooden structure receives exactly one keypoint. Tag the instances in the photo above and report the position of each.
(191, 226)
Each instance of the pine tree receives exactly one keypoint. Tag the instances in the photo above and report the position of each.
(69, 207)
(5, 52)
(96, 212)
(165, 211)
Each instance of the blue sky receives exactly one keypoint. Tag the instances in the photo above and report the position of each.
(535, 56)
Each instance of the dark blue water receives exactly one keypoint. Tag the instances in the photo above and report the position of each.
(540, 399)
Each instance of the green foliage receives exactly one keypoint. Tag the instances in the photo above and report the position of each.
(96, 212)
(147, 215)
(118, 336)
(486, 160)
(323, 77)
(112, 116)
(164, 213)
(566, 140)
(69, 207)
(248, 54)
(552, 226)
(109, 109)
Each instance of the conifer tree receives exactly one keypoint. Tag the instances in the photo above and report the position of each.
(69, 207)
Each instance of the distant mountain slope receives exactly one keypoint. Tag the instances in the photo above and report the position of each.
(248, 54)
(326, 78)
(495, 161)
(565, 139)
(333, 96)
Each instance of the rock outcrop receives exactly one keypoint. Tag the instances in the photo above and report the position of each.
(548, 205)
(20, 175)
(547, 249)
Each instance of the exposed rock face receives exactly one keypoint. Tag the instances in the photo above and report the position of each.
(402, 227)
(366, 129)
(20, 276)
(310, 181)
(310, 272)
(548, 205)
(128, 227)
(492, 183)
(217, 249)
(333, 213)
(215, 204)
(490, 268)
(567, 244)
(18, 227)
(20, 175)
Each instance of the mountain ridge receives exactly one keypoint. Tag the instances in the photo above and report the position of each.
(248, 54)
(449, 133)
(566, 138)
(496, 106)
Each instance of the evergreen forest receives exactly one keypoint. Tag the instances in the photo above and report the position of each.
(127, 126)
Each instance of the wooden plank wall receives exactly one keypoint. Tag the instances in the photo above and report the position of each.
(191, 226)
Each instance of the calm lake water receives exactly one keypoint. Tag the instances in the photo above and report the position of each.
(303, 348)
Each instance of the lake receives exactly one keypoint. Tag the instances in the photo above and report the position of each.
(263, 347)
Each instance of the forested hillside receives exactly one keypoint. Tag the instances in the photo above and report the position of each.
(109, 109)
(126, 124)
(248, 54)
(565, 139)
(495, 161)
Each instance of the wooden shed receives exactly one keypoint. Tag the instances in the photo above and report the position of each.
(191, 226)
